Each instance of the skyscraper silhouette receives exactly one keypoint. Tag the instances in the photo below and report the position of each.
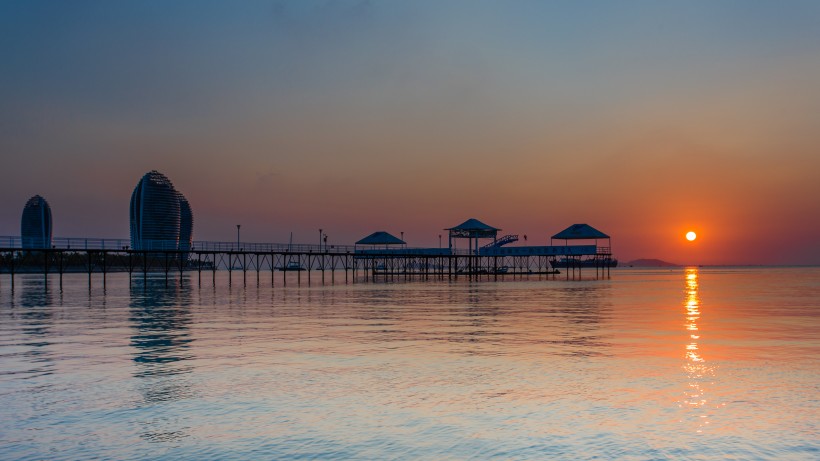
(156, 214)
(186, 223)
(35, 225)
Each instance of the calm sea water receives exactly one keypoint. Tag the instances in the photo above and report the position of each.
(651, 364)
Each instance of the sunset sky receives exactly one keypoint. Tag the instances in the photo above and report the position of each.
(644, 119)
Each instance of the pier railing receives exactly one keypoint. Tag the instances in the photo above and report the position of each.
(74, 243)
(270, 247)
(79, 244)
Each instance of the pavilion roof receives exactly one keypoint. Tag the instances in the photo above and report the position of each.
(380, 238)
(579, 232)
(473, 224)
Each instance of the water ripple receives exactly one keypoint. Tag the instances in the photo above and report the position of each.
(704, 364)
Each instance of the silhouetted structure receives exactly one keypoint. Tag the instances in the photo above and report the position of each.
(35, 225)
(161, 217)
(603, 254)
(381, 239)
(472, 229)
(186, 224)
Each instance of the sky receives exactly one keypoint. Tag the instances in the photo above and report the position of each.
(644, 119)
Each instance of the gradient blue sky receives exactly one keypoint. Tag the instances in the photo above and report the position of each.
(644, 119)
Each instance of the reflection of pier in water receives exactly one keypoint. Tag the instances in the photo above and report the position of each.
(34, 313)
(160, 317)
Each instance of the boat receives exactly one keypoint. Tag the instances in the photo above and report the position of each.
(592, 263)
(292, 266)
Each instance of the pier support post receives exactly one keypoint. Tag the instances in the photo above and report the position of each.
(61, 269)
(180, 265)
(165, 253)
(45, 266)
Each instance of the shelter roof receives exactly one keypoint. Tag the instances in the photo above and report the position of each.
(473, 224)
(380, 238)
(579, 232)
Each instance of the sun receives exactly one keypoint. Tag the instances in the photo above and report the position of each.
(691, 236)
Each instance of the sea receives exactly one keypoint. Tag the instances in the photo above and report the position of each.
(701, 363)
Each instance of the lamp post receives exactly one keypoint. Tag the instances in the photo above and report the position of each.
(237, 235)
(439, 241)
(320, 240)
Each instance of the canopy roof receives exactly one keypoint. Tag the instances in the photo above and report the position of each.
(473, 224)
(580, 232)
(473, 228)
(380, 238)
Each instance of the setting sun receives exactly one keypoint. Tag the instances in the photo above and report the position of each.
(691, 236)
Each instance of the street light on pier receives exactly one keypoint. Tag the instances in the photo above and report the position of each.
(320, 239)
(237, 235)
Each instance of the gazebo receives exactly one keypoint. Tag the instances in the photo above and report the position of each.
(581, 232)
(472, 229)
(600, 258)
(381, 238)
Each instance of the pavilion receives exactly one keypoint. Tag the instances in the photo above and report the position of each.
(582, 232)
(473, 230)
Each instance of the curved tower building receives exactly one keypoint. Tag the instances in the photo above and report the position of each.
(186, 224)
(35, 226)
(155, 214)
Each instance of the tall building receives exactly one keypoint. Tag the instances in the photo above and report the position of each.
(186, 224)
(35, 225)
(155, 214)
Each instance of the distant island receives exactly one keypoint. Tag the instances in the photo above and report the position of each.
(650, 263)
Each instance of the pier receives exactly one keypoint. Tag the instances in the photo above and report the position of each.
(310, 263)
(161, 241)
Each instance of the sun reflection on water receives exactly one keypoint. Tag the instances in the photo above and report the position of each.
(699, 374)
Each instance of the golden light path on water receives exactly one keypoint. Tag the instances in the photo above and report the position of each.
(700, 375)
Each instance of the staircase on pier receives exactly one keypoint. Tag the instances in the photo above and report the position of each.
(507, 239)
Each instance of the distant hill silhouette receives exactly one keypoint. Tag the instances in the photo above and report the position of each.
(650, 263)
